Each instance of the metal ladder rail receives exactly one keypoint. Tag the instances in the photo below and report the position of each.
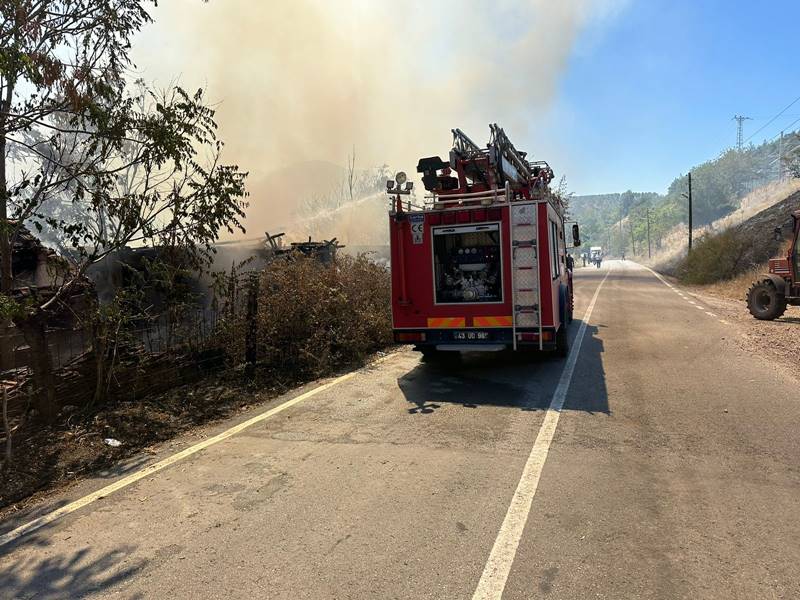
(518, 306)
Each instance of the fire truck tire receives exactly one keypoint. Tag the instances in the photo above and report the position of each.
(562, 341)
(566, 304)
(765, 302)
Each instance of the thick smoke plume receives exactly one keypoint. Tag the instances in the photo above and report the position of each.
(308, 80)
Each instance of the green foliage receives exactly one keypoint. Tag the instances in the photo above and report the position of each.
(8, 308)
(599, 217)
(94, 162)
(715, 257)
(717, 187)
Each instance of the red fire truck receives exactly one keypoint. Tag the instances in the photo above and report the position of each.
(483, 265)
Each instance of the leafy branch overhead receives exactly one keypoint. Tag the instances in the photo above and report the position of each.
(94, 160)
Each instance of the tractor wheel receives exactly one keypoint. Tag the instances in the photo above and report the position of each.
(765, 302)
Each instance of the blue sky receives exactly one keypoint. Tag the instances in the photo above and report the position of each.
(652, 91)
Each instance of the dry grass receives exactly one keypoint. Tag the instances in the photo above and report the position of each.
(736, 287)
(756, 201)
(673, 248)
(313, 319)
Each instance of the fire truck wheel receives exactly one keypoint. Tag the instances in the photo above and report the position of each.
(765, 302)
(562, 341)
(565, 304)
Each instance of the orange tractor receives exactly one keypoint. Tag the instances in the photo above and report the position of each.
(768, 298)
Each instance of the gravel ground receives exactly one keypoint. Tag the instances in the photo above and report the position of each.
(779, 339)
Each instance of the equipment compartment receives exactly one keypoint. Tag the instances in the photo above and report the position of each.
(467, 264)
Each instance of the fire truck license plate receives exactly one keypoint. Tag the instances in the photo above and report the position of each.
(470, 335)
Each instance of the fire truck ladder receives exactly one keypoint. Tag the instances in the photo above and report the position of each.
(506, 159)
(526, 294)
(465, 147)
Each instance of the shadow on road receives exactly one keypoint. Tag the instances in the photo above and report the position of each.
(73, 575)
(521, 381)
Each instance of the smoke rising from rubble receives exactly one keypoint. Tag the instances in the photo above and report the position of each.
(308, 80)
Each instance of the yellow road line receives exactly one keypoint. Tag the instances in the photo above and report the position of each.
(48, 518)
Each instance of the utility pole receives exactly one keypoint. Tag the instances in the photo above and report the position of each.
(621, 232)
(649, 249)
(690, 211)
(739, 129)
(633, 241)
(780, 159)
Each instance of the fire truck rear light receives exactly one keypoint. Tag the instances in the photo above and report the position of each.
(434, 218)
(449, 218)
(479, 215)
(547, 336)
(417, 336)
(495, 214)
(463, 216)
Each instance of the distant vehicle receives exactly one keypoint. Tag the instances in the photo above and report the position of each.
(483, 265)
(768, 298)
(596, 255)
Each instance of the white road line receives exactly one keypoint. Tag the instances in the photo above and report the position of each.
(692, 302)
(495, 573)
(47, 518)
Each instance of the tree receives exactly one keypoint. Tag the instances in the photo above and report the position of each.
(95, 162)
(60, 62)
(89, 160)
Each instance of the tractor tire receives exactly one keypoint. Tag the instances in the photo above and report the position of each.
(765, 302)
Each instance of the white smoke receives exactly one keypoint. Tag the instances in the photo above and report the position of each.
(310, 79)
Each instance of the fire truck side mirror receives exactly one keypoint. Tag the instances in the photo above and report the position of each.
(576, 235)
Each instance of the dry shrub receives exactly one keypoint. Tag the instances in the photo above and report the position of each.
(315, 318)
(715, 257)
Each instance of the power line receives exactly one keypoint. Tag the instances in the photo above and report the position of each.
(773, 119)
(787, 128)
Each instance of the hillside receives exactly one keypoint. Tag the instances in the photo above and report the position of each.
(619, 222)
(740, 249)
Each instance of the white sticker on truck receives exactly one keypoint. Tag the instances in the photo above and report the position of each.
(417, 228)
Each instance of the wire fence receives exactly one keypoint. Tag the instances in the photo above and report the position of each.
(59, 369)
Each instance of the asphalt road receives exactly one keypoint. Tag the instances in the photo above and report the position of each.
(673, 472)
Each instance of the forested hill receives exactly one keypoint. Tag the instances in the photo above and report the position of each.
(718, 186)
